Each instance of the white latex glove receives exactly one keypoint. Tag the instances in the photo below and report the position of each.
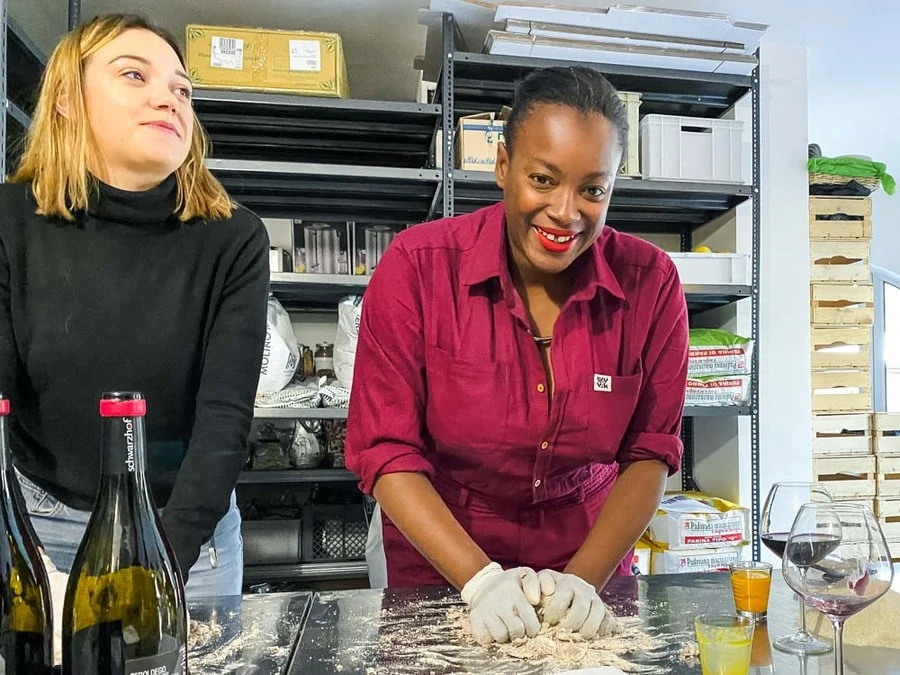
(501, 603)
(574, 604)
(58, 582)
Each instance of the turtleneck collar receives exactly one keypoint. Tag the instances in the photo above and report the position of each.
(145, 207)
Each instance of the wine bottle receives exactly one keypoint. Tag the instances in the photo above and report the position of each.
(124, 612)
(25, 614)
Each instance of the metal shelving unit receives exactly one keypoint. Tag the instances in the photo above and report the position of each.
(643, 206)
(471, 82)
(321, 571)
(300, 413)
(22, 63)
(322, 130)
(329, 192)
(294, 476)
(410, 193)
(315, 291)
(486, 81)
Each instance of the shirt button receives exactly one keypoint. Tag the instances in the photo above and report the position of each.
(545, 445)
(540, 388)
(537, 483)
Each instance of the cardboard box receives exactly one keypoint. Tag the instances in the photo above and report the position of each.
(257, 59)
(477, 138)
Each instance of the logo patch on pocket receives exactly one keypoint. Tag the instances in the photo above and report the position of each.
(602, 382)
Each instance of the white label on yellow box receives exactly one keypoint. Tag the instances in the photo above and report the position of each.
(306, 55)
(227, 53)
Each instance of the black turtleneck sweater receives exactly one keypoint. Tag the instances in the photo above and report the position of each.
(129, 298)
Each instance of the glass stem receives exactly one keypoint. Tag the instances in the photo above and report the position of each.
(838, 646)
(802, 618)
(801, 633)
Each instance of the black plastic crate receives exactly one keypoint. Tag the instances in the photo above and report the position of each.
(334, 532)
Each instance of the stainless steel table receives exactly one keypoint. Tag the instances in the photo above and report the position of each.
(408, 631)
(258, 633)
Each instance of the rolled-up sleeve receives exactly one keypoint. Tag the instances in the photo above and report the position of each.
(655, 429)
(385, 428)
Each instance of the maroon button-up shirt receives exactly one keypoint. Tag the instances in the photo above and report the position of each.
(449, 382)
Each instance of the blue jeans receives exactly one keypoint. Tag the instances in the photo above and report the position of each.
(61, 528)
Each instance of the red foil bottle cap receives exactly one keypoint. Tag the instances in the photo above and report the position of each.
(130, 407)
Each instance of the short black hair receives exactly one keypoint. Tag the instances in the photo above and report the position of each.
(578, 87)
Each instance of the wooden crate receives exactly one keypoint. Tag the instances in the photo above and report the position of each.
(842, 304)
(856, 221)
(839, 260)
(887, 508)
(844, 347)
(886, 434)
(841, 435)
(888, 477)
(890, 527)
(847, 478)
(894, 548)
(841, 390)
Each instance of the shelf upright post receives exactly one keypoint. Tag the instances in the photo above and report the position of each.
(3, 92)
(687, 457)
(447, 44)
(74, 13)
(755, 507)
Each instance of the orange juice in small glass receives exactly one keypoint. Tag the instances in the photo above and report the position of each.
(750, 583)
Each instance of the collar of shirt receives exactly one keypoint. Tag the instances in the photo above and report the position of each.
(488, 259)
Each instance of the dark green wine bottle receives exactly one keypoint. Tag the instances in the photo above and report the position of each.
(26, 635)
(125, 611)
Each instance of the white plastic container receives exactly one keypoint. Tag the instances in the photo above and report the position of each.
(712, 268)
(691, 148)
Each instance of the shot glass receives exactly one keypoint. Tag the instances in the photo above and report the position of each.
(725, 642)
(750, 583)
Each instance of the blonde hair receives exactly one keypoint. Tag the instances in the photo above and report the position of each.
(59, 149)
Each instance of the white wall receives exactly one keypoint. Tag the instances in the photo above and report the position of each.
(852, 88)
(784, 375)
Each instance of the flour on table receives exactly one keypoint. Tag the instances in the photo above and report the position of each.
(560, 649)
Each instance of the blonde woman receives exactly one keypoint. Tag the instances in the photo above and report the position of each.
(124, 265)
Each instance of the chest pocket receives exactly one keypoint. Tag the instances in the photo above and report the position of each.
(602, 411)
(468, 401)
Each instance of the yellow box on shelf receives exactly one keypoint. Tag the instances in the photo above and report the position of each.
(260, 59)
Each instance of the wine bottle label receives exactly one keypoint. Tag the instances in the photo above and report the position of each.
(170, 663)
(129, 443)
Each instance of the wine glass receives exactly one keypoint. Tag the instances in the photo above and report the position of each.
(781, 507)
(837, 559)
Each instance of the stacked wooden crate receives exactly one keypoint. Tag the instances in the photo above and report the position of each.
(886, 447)
(841, 296)
(841, 314)
(842, 456)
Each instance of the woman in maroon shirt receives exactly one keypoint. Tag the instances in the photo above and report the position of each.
(520, 377)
